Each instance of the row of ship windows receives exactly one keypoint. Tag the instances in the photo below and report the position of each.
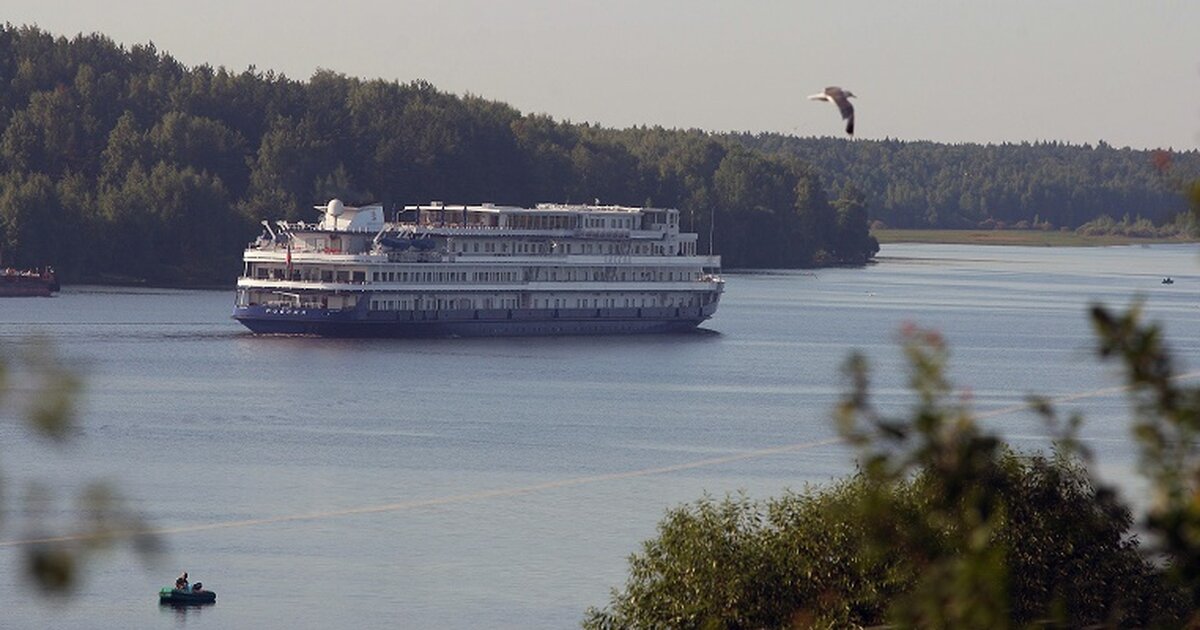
(596, 274)
(445, 276)
(625, 249)
(620, 223)
(418, 303)
(308, 274)
(612, 274)
(539, 275)
(491, 248)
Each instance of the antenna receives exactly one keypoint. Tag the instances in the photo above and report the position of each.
(711, 222)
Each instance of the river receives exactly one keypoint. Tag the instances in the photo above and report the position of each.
(502, 483)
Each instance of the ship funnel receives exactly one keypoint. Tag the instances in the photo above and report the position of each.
(333, 210)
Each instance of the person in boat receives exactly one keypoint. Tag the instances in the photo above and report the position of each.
(197, 587)
(181, 582)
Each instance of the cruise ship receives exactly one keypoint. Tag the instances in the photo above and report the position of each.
(441, 270)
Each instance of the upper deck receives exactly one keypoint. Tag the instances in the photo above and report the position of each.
(607, 221)
(544, 230)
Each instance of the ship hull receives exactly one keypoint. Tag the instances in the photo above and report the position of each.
(470, 323)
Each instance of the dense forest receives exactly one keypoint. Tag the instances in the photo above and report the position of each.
(122, 163)
(1047, 185)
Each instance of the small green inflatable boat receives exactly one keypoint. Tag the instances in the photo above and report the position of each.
(176, 596)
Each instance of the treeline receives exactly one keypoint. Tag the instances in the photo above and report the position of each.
(120, 162)
(963, 186)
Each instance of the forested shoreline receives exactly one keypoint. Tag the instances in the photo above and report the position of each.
(123, 163)
(1042, 185)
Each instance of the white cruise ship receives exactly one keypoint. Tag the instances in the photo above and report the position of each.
(482, 270)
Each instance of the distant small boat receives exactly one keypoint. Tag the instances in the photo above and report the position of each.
(170, 595)
(27, 282)
(1168, 281)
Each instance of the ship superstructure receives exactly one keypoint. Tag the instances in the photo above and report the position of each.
(477, 270)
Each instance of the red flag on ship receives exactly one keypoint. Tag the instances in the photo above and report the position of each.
(289, 259)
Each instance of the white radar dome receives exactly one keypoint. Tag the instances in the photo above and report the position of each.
(335, 208)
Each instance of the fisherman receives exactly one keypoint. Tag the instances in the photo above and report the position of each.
(181, 582)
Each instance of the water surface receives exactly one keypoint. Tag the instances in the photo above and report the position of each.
(512, 477)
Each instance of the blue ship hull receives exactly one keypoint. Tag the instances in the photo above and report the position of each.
(469, 323)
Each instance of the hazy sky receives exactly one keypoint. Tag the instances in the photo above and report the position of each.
(1124, 72)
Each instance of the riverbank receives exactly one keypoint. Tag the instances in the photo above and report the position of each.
(1032, 238)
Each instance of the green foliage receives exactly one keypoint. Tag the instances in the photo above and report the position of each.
(739, 564)
(1167, 428)
(1138, 227)
(160, 155)
(851, 239)
(965, 186)
(943, 527)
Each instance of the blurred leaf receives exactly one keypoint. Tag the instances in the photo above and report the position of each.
(47, 389)
(55, 387)
(54, 568)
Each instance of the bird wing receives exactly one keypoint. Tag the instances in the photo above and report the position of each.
(845, 107)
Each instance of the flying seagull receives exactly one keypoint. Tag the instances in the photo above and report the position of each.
(842, 99)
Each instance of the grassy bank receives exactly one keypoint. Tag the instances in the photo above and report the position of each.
(1012, 237)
